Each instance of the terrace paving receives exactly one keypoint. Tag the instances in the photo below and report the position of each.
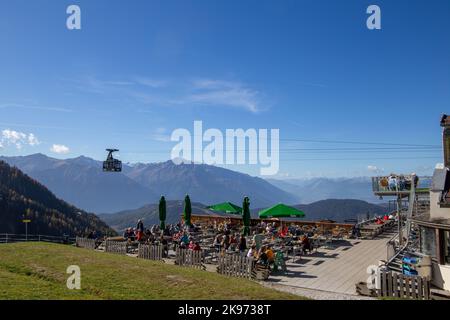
(336, 269)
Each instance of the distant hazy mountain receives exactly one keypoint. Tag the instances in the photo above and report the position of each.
(315, 189)
(337, 210)
(340, 209)
(150, 215)
(22, 197)
(82, 182)
(206, 184)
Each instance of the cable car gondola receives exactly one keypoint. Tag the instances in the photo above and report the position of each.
(111, 164)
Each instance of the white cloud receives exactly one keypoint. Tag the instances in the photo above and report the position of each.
(374, 169)
(152, 83)
(225, 93)
(18, 139)
(59, 148)
(32, 140)
(160, 135)
(22, 106)
(203, 92)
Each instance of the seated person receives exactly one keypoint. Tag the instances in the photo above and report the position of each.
(218, 242)
(306, 244)
(262, 256)
(232, 243)
(225, 242)
(196, 247)
(284, 232)
(184, 238)
(356, 232)
(151, 238)
(252, 253)
(166, 231)
(242, 244)
(129, 234)
(183, 245)
(270, 255)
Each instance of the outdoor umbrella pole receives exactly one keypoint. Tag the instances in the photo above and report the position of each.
(162, 213)
(187, 211)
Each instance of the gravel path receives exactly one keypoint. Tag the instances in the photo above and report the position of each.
(314, 294)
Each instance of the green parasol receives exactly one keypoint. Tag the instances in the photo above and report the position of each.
(281, 211)
(226, 207)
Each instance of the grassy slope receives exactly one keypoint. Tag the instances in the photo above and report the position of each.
(38, 271)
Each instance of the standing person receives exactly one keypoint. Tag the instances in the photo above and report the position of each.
(416, 180)
(242, 245)
(165, 245)
(218, 242)
(139, 230)
(392, 182)
(226, 242)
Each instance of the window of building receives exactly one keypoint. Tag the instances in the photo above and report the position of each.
(428, 241)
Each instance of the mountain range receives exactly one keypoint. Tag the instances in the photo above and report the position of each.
(82, 182)
(22, 197)
(316, 189)
(334, 209)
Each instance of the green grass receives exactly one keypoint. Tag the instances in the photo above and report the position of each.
(38, 271)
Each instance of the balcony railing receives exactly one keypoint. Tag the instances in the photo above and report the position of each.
(395, 184)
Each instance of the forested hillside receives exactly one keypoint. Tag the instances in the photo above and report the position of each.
(22, 197)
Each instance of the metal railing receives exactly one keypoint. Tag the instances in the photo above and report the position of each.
(12, 238)
(398, 183)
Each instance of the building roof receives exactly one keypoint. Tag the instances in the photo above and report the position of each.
(427, 221)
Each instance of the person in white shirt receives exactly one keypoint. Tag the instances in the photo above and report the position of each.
(392, 183)
(252, 252)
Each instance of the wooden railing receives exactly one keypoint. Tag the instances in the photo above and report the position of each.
(189, 258)
(11, 238)
(402, 286)
(119, 247)
(150, 252)
(85, 243)
(235, 266)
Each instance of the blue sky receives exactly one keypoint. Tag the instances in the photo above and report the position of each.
(137, 70)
